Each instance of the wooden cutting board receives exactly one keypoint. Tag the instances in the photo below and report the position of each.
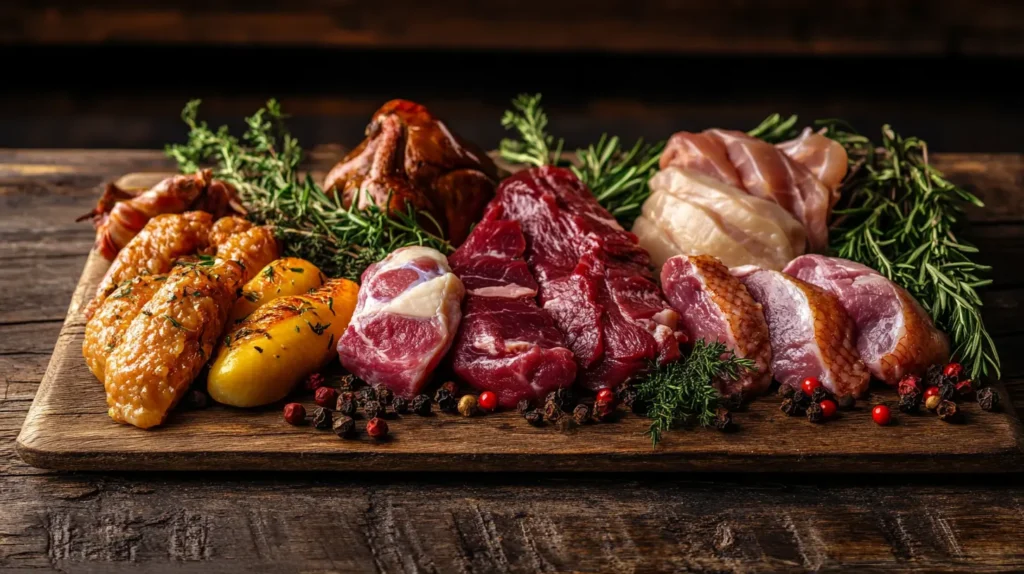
(68, 428)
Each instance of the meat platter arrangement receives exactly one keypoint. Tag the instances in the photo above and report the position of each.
(675, 282)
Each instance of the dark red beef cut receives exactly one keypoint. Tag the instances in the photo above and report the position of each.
(594, 279)
(506, 344)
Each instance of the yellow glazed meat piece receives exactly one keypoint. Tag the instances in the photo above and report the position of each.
(280, 278)
(281, 343)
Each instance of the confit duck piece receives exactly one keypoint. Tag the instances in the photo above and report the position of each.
(895, 335)
(811, 334)
(691, 213)
(406, 316)
(153, 251)
(167, 344)
(121, 214)
(766, 171)
(253, 247)
(506, 343)
(411, 158)
(714, 305)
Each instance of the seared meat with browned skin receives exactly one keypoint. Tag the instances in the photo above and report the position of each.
(254, 248)
(169, 341)
(411, 158)
(103, 333)
(154, 250)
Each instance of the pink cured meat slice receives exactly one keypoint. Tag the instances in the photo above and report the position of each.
(594, 278)
(506, 344)
(895, 335)
(406, 317)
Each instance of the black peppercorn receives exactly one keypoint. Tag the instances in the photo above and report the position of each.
(846, 402)
(452, 388)
(421, 405)
(821, 394)
(791, 408)
(723, 421)
(947, 390)
(627, 396)
(322, 418)
(581, 414)
(732, 402)
(400, 405)
(801, 398)
(552, 410)
(566, 398)
(786, 391)
(384, 395)
(346, 408)
(534, 417)
(933, 376)
(344, 427)
(368, 394)
(373, 409)
(988, 399)
(948, 411)
(196, 400)
(814, 413)
(910, 402)
(523, 406)
(446, 401)
(347, 383)
(603, 411)
(553, 397)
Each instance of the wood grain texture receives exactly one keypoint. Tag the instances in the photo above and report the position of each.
(786, 27)
(466, 522)
(68, 428)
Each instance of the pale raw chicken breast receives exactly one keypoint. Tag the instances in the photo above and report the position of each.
(895, 335)
(690, 213)
(822, 156)
(713, 305)
(811, 333)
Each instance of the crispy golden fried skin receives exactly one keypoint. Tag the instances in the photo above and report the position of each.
(104, 331)
(169, 341)
(254, 248)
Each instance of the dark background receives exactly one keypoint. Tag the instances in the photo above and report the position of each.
(116, 74)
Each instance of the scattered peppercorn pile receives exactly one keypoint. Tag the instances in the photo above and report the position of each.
(940, 392)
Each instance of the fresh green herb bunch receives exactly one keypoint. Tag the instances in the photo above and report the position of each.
(681, 392)
(617, 177)
(264, 166)
(898, 216)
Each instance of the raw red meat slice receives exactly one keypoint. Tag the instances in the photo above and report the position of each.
(594, 278)
(506, 343)
(405, 319)
(895, 335)
(811, 333)
(713, 305)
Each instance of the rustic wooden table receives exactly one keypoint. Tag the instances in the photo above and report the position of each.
(102, 522)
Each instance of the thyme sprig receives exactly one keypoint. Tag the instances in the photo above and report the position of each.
(264, 166)
(899, 216)
(682, 392)
(616, 176)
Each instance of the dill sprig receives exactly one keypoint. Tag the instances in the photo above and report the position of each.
(617, 177)
(681, 392)
(899, 216)
(264, 166)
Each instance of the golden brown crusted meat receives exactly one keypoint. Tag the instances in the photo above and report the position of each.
(154, 250)
(169, 342)
(226, 227)
(104, 331)
(413, 155)
(254, 248)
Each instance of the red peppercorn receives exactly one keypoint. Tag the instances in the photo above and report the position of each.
(605, 396)
(930, 392)
(326, 397)
(909, 384)
(965, 388)
(377, 427)
(314, 382)
(808, 385)
(953, 370)
(828, 408)
(881, 415)
(487, 400)
(295, 413)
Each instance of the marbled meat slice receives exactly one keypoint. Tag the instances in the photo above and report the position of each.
(406, 316)
(506, 343)
(595, 280)
(811, 333)
(714, 305)
(169, 342)
(895, 335)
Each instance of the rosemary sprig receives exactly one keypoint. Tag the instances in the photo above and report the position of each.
(617, 177)
(264, 166)
(681, 392)
(899, 216)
